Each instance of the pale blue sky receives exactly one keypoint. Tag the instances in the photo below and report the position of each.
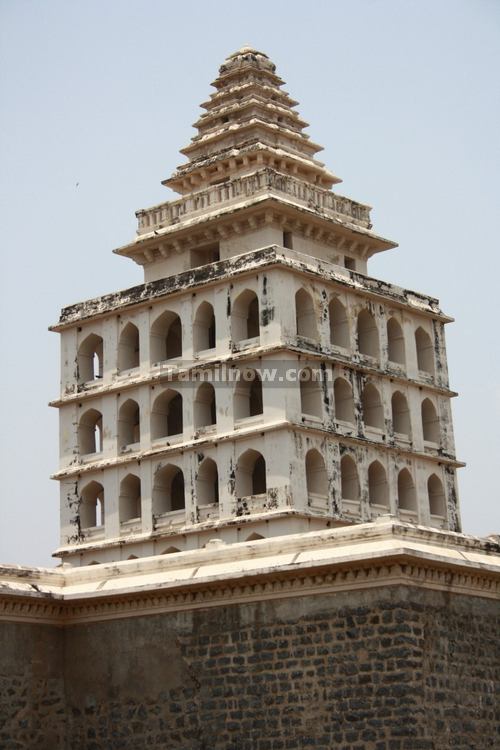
(404, 96)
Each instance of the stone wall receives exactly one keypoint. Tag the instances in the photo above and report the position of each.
(32, 700)
(381, 669)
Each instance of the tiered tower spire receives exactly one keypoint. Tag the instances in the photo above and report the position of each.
(250, 121)
(259, 382)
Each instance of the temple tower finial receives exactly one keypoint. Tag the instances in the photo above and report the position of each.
(249, 122)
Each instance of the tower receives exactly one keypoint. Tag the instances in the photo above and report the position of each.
(259, 382)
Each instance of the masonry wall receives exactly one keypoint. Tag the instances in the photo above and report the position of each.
(391, 669)
(32, 700)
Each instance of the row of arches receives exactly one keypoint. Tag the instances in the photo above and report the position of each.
(378, 487)
(311, 397)
(168, 493)
(167, 414)
(166, 335)
(367, 332)
(167, 411)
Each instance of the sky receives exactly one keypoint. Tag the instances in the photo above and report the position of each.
(97, 98)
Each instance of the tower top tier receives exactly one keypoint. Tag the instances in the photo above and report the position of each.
(250, 121)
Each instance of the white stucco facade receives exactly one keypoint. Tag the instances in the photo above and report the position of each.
(341, 412)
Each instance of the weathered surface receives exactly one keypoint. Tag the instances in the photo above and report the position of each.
(379, 670)
(257, 268)
(32, 702)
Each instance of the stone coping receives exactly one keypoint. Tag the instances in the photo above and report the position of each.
(248, 263)
(385, 552)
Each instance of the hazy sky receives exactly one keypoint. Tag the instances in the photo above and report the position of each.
(96, 100)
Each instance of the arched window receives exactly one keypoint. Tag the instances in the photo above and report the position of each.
(378, 489)
(368, 341)
(90, 359)
(396, 342)
(204, 406)
(425, 351)
(166, 337)
(248, 395)
(128, 348)
(207, 483)
(166, 415)
(168, 490)
(204, 328)
(316, 478)
(349, 478)
(344, 401)
(437, 504)
(373, 413)
(407, 496)
(130, 498)
(92, 506)
(311, 399)
(339, 324)
(90, 432)
(245, 316)
(170, 551)
(430, 422)
(251, 474)
(128, 424)
(400, 414)
(305, 315)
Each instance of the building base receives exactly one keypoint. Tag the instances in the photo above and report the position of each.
(382, 637)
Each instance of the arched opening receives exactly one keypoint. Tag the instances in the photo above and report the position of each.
(316, 477)
(132, 557)
(90, 359)
(128, 348)
(170, 551)
(368, 341)
(407, 496)
(248, 395)
(168, 490)
(305, 315)
(130, 498)
(437, 502)
(128, 424)
(207, 483)
(425, 351)
(400, 414)
(204, 328)
(339, 324)
(349, 479)
(430, 422)
(373, 413)
(251, 474)
(92, 506)
(166, 337)
(378, 489)
(254, 537)
(396, 342)
(245, 316)
(204, 406)
(90, 432)
(344, 401)
(311, 400)
(166, 415)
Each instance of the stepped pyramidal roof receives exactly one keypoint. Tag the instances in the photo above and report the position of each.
(249, 120)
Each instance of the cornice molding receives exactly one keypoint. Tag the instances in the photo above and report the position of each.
(401, 569)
